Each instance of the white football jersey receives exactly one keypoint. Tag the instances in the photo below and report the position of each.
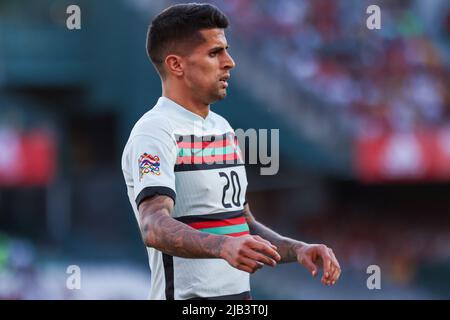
(197, 162)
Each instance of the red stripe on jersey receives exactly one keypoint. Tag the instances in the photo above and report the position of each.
(203, 144)
(218, 223)
(238, 234)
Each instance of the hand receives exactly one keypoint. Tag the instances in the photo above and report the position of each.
(249, 253)
(319, 255)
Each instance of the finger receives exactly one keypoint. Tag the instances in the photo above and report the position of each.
(245, 268)
(327, 269)
(334, 272)
(258, 238)
(307, 262)
(326, 282)
(265, 249)
(250, 264)
(333, 268)
(326, 264)
(255, 255)
(333, 258)
(335, 276)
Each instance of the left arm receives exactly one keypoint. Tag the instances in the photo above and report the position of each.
(290, 250)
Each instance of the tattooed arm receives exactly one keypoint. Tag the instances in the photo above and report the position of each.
(175, 238)
(290, 250)
(160, 231)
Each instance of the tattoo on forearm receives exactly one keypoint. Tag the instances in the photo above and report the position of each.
(173, 237)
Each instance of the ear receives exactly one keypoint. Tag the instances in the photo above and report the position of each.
(174, 65)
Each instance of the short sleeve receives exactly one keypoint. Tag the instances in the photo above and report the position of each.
(151, 163)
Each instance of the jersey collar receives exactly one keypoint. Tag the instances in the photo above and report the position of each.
(166, 104)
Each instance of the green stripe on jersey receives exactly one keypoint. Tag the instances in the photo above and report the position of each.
(227, 229)
(185, 152)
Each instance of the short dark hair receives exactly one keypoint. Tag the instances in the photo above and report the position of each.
(176, 29)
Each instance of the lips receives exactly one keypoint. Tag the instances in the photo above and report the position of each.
(224, 80)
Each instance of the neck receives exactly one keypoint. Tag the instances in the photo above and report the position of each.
(185, 99)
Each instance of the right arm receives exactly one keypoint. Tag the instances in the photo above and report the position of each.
(175, 238)
(160, 231)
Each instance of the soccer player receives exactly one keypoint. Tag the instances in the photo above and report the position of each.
(185, 175)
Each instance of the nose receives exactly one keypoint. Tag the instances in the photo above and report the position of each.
(229, 62)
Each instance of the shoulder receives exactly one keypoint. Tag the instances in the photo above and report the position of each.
(153, 123)
(154, 127)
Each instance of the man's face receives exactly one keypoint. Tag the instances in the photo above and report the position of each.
(207, 68)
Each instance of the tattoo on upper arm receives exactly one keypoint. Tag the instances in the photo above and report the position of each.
(155, 204)
(152, 209)
(173, 237)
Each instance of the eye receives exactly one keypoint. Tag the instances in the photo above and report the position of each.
(212, 54)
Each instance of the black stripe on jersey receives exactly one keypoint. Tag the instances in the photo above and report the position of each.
(209, 138)
(168, 273)
(153, 191)
(209, 217)
(205, 166)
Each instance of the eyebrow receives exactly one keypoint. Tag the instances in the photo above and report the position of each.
(218, 49)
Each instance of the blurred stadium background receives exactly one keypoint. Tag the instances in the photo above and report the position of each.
(364, 119)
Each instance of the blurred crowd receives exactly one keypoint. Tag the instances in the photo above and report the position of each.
(399, 248)
(17, 268)
(392, 79)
